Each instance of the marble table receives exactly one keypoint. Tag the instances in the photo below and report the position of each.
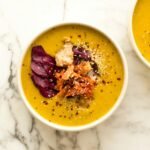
(20, 20)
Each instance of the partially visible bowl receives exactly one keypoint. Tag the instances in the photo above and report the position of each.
(92, 124)
(132, 39)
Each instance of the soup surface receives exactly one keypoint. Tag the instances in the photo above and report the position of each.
(141, 27)
(68, 112)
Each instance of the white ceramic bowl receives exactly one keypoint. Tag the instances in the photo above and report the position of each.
(82, 127)
(135, 47)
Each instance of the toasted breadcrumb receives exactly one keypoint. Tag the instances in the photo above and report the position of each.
(65, 55)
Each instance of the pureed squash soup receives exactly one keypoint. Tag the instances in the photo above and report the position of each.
(141, 27)
(72, 112)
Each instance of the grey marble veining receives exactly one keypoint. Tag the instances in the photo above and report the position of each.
(127, 129)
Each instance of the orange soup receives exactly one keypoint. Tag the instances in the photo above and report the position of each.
(141, 27)
(65, 111)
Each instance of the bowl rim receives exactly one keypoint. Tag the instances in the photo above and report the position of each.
(91, 124)
(132, 39)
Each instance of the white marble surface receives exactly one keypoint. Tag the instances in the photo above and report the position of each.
(20, 21)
